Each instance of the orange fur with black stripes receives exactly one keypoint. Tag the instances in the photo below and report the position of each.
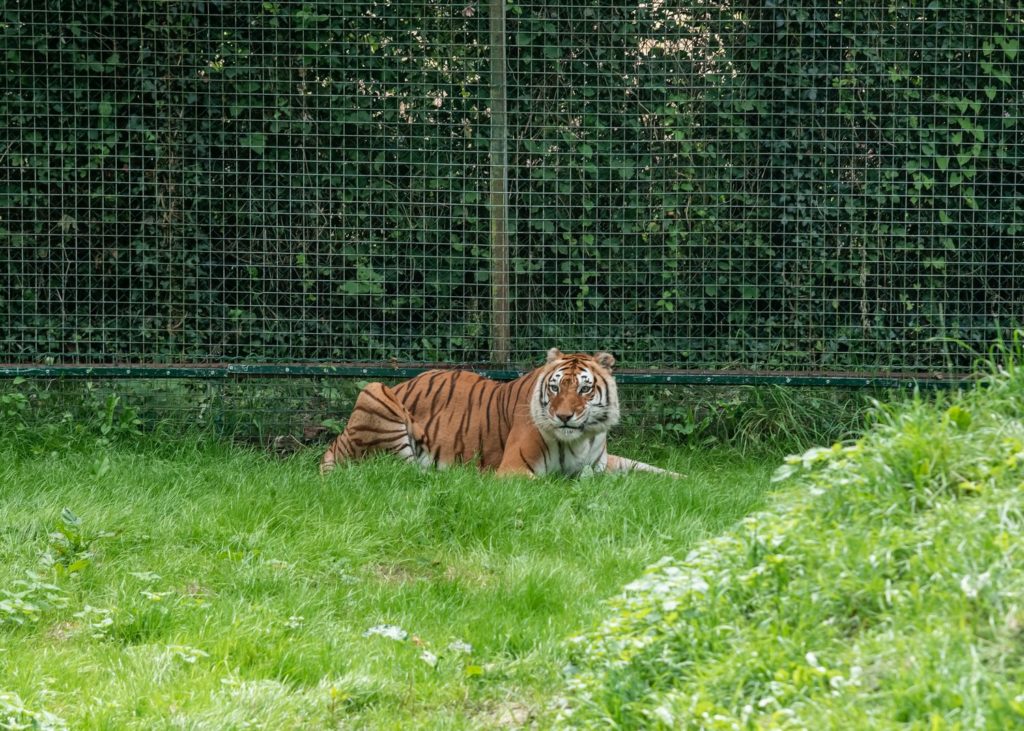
(554, 419)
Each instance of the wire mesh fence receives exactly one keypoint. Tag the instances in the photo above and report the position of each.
(811, 188)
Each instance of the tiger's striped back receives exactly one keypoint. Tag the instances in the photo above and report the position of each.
(465, 417)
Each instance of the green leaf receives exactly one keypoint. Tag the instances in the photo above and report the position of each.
(958, 417)
(69, 518)
(78, 565)
(257, 142)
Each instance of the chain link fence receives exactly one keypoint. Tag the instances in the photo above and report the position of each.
(817, 190)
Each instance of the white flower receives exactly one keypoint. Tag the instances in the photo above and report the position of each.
(664, 715)
(461, 647)
(390, 631)
(429, 658)
(971, 585)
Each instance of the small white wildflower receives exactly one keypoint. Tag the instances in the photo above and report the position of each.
(664, 715)
(429, 658)
(971, 585)
(461, 647)
(390, 631)
(295, 621)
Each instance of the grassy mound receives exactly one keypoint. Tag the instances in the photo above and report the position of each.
(882, 590)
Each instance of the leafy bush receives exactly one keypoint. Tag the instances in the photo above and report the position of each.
(882, 589)
(46, 416)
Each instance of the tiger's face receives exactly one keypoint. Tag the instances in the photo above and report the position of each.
(575, 395)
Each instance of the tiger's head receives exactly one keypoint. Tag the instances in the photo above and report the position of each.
(575, 395)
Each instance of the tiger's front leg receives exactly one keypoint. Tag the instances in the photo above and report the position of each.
(523, 452)
(379, 423)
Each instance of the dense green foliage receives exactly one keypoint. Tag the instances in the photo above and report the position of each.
(882, 590)
(802, 185)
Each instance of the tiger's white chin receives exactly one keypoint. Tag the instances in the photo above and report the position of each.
(564, 433)
(568, 434)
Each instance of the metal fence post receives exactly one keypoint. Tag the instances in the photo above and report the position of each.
(499, 187)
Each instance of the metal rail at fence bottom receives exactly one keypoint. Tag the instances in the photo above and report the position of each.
(844, 379)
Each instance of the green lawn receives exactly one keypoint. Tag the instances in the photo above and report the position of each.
(168, 586)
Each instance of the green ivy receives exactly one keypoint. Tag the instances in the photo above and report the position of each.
(796, 185)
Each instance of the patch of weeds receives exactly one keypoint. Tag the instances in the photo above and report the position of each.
(16, 714)
(70, 548)
(96, 621)
(29, 599)
(41, 417)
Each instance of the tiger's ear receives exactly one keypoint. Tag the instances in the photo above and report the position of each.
(554, 354)
(605, 360)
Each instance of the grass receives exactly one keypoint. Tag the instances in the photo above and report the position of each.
(184, 585)
(880, 589)
(752, 419)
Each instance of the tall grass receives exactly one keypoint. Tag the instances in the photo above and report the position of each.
(198, 585)
(770, 419)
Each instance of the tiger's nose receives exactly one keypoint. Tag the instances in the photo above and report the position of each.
(564, 417)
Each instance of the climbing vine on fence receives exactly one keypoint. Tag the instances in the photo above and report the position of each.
(770, 185)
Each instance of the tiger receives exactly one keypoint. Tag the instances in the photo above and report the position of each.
(552, 420)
